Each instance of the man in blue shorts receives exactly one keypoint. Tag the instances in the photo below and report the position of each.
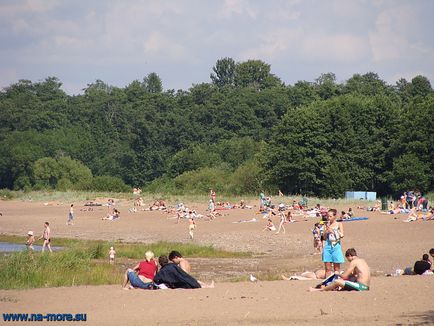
(358, 270)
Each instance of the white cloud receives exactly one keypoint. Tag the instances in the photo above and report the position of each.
(309, 46)
(391, 38)
(238, 7)
(341, 47)
(7, 77)
(158, 45)
(16, 8)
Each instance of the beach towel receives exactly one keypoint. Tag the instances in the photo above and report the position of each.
(327, 281)
(354, 219)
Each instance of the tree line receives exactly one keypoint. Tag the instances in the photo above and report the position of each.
(243, 132)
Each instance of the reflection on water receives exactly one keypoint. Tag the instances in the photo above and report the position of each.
(14, 247)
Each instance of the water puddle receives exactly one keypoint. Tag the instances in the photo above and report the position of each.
(16, 247)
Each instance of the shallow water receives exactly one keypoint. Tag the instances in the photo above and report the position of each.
(15, 247)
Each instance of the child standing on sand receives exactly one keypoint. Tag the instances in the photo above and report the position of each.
(191, 227)
(112, 254)
(70, 215)
(317, 243)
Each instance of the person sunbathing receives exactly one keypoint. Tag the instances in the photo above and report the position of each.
(305, 276)
(413, 216)
(111, 217)
(270, 226)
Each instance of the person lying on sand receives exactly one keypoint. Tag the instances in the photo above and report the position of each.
(318, 275)
(413, 216)
(116, 215)
(358, 268)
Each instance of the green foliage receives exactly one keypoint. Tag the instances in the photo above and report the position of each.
(255, 74)
(62, 173)
(319, 137)
(6, 194)
(108, 183)
(223, 72)
(410, 173)
(152, 83)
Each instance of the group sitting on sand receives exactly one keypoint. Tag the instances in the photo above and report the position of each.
(174, 273)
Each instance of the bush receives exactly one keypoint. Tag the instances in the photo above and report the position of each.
(108, 183)
(62, 173)
(200, 181)
(7, 194)
(247, 179)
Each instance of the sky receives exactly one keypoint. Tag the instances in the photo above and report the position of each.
(81, 41)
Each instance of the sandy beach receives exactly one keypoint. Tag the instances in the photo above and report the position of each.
(385, 242)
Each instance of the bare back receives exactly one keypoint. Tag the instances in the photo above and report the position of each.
(185, 265)
(361, 271)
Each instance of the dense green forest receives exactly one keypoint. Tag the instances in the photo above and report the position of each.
(243, 132)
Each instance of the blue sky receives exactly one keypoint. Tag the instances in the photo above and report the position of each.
(121, 41)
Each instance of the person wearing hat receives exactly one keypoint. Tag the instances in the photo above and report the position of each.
(30, 240)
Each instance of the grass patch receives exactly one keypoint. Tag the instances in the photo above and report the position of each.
(85, 262)
(100, 248)
(67, 268)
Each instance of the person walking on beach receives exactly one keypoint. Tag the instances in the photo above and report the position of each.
(282, 221)
(191, 227)
(70, 216)
(46, 235)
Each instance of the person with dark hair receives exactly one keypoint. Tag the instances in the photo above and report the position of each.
(174, 277)
(174, 273)
(332, 251)
(358, 269)
(176, 257)
(422, 266)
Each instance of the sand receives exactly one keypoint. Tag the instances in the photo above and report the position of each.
(385, 242)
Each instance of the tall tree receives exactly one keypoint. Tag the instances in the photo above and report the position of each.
(224, 72)
(255, 74)
(152, 83)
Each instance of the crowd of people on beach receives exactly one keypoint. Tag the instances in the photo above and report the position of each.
(173, 270)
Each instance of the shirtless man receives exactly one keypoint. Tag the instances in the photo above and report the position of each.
(177, 258)
(358, 268)
(46, 236)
